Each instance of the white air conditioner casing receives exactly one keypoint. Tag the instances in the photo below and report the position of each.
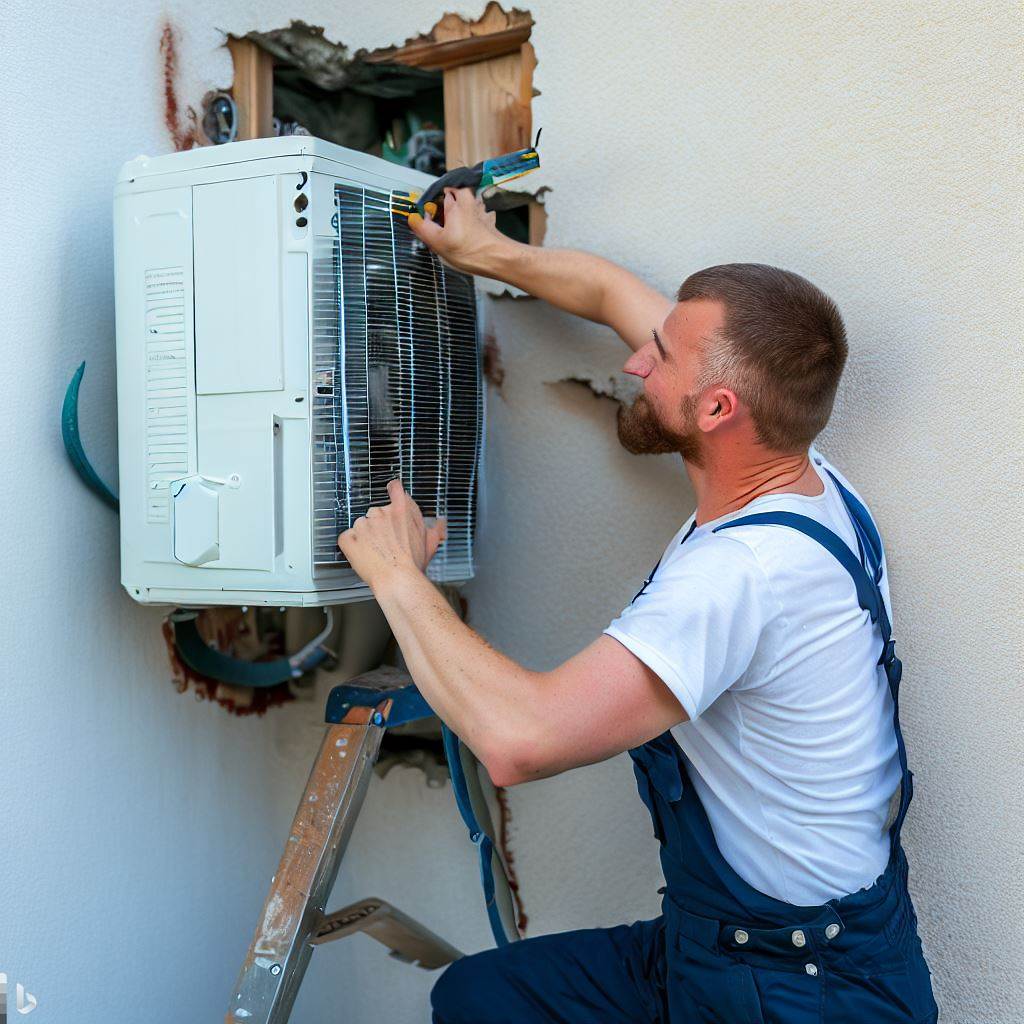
(284, 346)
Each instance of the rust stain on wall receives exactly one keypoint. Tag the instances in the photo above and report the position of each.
(494, 370)
(184, 131)
(505, 843)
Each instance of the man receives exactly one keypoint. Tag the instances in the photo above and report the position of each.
(752, 679)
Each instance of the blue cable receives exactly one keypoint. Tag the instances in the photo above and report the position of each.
(479, 838)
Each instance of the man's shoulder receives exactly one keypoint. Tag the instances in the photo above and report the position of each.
(827, 466)
(712, 556)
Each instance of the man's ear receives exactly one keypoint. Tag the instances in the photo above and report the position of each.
(717, 408)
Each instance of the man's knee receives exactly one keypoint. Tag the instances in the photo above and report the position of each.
(456, 996)
(591, 975)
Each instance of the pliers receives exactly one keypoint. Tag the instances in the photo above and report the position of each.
(495, 171)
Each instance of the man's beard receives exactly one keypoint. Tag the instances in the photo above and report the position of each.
(642, 433)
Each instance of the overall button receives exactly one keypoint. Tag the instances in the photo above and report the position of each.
(831, 931)
(812, 970)
(740, 936)
(799, 939)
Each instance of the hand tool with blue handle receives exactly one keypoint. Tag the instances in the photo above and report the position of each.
(495, 171)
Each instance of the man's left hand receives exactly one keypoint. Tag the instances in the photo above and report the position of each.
(390, 539)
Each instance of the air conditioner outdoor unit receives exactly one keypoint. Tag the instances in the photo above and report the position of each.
(285, 347)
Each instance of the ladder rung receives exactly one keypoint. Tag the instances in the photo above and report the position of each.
(407, 939)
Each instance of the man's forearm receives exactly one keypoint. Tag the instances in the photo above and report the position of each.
(580, 283)
(571, 280)
(491, 702)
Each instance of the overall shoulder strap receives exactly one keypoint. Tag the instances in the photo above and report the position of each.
(864, 525)
(867, 591)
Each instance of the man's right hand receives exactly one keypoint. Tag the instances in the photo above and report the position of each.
(578, 282)
(465, 236)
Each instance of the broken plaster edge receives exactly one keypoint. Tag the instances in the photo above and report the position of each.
(607, 387)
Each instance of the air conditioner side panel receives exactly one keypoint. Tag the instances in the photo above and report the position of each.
(155, 369)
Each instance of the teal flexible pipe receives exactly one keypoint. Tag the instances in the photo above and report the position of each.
(73, 444)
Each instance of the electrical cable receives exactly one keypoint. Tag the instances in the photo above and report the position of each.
(472, 805)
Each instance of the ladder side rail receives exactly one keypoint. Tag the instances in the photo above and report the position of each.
(281, 949)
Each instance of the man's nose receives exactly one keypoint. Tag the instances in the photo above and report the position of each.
(639, 363)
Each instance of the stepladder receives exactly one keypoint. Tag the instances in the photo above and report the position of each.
(293, 922)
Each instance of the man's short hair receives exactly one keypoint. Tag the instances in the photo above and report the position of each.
(782, 348)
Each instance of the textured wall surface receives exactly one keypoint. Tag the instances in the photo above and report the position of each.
(874, 147)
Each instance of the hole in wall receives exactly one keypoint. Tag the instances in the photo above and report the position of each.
(392, 103)
(520, 215)
(323, 88)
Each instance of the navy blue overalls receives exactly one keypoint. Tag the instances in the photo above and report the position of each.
(723, 952)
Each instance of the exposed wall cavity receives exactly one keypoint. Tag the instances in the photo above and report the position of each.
(328, 65)
(341, 95)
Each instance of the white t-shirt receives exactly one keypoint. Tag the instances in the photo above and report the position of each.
(758, 633)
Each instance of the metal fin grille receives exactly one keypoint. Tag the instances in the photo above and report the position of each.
(397, 383)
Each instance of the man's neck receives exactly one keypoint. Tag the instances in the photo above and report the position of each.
(729, 480)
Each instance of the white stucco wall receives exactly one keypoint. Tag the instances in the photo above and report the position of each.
(874, 147)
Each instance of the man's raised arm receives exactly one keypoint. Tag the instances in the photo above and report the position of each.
(578, 282)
